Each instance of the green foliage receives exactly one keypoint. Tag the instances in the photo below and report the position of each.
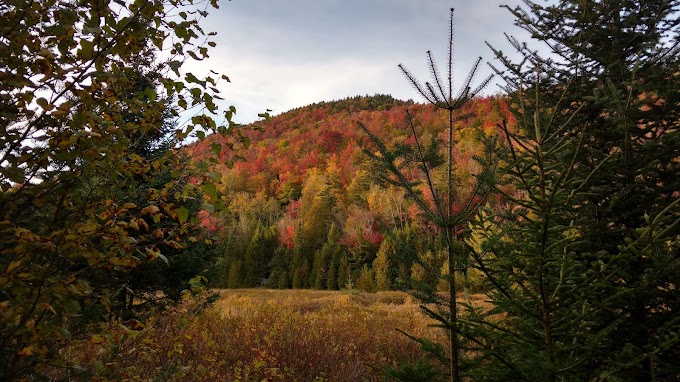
(344, 273)
(283, 280)
(332, 278)
(530, 256)
(255, 265)
(356, 103)
(444, 207)
(83, 136)
(297, 279)
(383, 267)
(582, 263)
(365, 281)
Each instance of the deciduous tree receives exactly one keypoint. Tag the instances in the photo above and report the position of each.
(72, 119)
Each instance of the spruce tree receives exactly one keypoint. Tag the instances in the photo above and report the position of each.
(234, 277)
(365, 280)
(609, 296)
(530, 254)
(332, 279)
(397, 164)
(283, 281)
(382, 266)
(319, 269)
(344, 273)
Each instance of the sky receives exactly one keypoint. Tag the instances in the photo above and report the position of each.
(281, 55)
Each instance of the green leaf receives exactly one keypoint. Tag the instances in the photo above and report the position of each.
(164, 258)
(42, 102)
(64, 333)
(191, 78)
(210, 189)
(216, 148)
(14, 174)
(72, 306)
(182, 214)
(175, 66)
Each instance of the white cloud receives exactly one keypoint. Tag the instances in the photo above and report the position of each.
(281, 55)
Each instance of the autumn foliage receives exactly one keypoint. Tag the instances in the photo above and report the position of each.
(307, 179)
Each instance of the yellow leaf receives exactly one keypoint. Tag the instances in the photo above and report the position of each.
(142, 223)
(13, 265)
(150, 210)
(97, 339)
(151, 254)
(174, 245)
(27, 351)
(49, 308)
(134, 325)
(88, 227)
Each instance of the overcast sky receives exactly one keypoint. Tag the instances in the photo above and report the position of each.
(285, 54)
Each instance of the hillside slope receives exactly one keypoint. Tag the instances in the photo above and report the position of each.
(306, 208)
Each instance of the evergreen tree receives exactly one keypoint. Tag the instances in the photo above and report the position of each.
(178, 264)
(283, 280)
(332, 279)
(530, 256)
(396, 166)
(344, 273)
(382, 266)
(261, 245)
(273, 280)
(404, 252)
(319, 269)
(252, 262)
(234, 280)
(595, 156)
(365, 280)
(279, 265)
(323, 269)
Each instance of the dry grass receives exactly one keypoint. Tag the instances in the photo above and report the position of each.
(268, 335)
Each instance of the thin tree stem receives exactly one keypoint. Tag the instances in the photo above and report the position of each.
(453, 305)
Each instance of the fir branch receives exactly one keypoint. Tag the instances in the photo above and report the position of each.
(416, 85)
(435, 76)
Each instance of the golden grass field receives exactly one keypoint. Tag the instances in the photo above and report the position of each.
(269, 335)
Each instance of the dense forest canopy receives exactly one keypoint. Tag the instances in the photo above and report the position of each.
(306, 180)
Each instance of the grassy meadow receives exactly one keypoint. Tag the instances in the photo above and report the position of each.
(267, 335)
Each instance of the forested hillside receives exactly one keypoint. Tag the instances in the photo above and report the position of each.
(305, 208)
(537, 231)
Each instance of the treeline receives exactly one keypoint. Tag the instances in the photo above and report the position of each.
(307, 209)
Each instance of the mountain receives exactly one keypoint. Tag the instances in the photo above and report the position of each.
(306, 207)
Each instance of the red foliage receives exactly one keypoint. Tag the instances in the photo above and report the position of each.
(329, 141)
(293, 209)
(289, 145)
(287, 236)
(209, 222)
